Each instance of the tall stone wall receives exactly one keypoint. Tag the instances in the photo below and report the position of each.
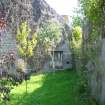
(35, 12)
(7, 43)
(94, 61)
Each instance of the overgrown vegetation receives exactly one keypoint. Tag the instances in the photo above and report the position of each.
(48, 37)
(7, 80)
(94, 12)
(60, 88)
(76, 41)
(49, 34)
(93, 32)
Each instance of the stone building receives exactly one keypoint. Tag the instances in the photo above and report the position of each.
(60, 58)
(35, 12)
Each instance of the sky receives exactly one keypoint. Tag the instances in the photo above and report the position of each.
(63, 7)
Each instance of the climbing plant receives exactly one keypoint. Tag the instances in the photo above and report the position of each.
(7, 80)
(94, 14)
(94, 30)
(94, 11)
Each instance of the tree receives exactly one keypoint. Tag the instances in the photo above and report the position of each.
(76, 44)
(49, 36)
(49, 33)
(26, 43)
(77, 33)
(76, 40)
(94, 15)
(26, 40)
(76, 21)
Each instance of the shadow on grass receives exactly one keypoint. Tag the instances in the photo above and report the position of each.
(59, 88)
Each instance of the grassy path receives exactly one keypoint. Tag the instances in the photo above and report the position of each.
(60, 88)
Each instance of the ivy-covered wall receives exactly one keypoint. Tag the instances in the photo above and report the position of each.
(94, 62)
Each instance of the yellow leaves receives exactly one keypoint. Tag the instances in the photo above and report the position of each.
(30, 51)
(26, 39)
(76, 41)
(77, 33)
(76, 44)
(34, 40)
(21, 51)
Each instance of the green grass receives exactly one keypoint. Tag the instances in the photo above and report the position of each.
(60, 88)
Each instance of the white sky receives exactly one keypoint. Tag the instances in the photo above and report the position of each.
(63, 7)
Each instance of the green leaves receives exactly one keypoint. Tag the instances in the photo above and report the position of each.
(23, 32)
(77, 21)
(49, 32)
(26, 40)
(92, 10)
(77, 33)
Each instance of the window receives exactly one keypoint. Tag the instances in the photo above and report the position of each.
(67, 62)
